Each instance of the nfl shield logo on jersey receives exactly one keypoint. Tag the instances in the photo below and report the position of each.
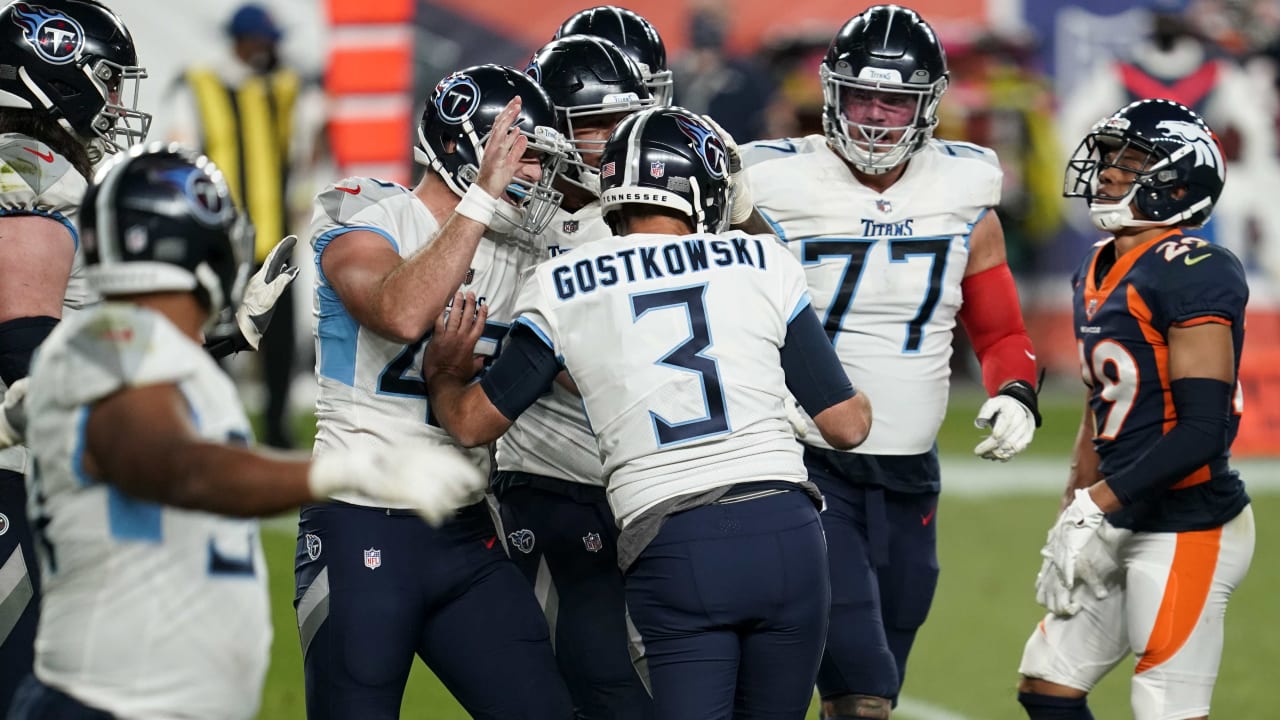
(657, 168)
(592, 542)
(570, 227)
(313, 546)
(373, 559)
(884, 206)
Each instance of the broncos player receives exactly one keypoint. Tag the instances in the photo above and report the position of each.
(703, 469)
(1157, 530)
(376, 586)
(898, 240)
(550, 482)
(155, 588)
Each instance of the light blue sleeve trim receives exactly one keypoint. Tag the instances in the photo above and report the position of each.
(777, 229)
(969, 235)
(805, 301)
(522, 320)
(323, 241)
(70, 226)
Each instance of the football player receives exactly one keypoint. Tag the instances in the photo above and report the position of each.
(1157, 530)
(550, 483)
(375, 585)
(898, 240)
(155, 589)
(67, 100)
(634, 35)
(721, 546)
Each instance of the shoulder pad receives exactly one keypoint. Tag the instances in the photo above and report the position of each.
(345, 199)
(966, 151)
(35, 178)
(761, 151)
(117, 345)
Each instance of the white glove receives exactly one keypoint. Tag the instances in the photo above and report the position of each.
(1012, 425)
(1098, 570)
(432, 480)
(741, 205)
(264, 290)
(1076, 526)
(1052, 594)
(13, 416)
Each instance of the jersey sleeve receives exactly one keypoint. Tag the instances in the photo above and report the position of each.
(794, 285)
(973, 171)
(118, 347)
(355, 203)
(1206, 284)
(34, 180)
(534, 311)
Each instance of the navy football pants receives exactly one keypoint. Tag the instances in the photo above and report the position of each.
(19, 587)
(37, 701)
(882, 547)
(565, 543)
(731, 600)
(376, 587)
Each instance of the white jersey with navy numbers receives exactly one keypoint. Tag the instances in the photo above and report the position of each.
(674, 344)
(34, 180)
(371, 390)
(148, 611)
(553, 438)
(884, 269)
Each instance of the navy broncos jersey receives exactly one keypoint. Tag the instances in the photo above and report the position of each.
(1123, 312)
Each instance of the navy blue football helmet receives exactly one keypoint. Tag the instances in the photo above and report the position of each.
(160, 218)
(75, 60)
(457, 120)
(1175, 160)
(668, 157)
(634, 35)
(882, 80)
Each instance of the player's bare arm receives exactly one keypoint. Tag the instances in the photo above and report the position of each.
(399, 298)
(35, 262)
(846, 425)
(1084, 457)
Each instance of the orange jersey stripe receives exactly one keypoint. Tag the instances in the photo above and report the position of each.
(1195, 558)
(1203, 321)
(1139, 310)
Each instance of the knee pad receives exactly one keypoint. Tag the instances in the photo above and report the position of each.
(1049, 707)
(857, 707)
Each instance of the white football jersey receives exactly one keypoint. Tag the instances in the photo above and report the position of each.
(553, 438)
(674, 344)
(884, 270)
(148, 611)
(371, 391)
(34, 180)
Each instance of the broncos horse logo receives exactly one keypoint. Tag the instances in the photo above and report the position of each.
(1198, 137)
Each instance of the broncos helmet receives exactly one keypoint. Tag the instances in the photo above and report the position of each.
(457, 120)
(634, 35)
(159, 218)
(589, 80)
(882, 79)
(74, 59)
(1175, 160)
(668, 157)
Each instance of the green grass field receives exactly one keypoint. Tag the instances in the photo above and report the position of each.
(965, 661)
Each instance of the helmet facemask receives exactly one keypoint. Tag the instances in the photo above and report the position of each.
(660, 83)
(1151, 173)
(875, 121)
(120, 124)
(582, 164)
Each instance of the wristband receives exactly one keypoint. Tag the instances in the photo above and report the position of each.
(477, 205)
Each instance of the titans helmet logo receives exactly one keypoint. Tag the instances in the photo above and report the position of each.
(55, 37)
(457, 98)
(707, 144)
(207, 204)
(534, 70)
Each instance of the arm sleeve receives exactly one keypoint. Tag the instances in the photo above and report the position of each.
(19, 339)
(992, 317)
(813, 370)
(522, 373)
(1203, 406)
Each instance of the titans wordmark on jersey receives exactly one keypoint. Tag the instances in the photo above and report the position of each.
(552, 438)
(34, 180)
(884, 269)
(673, 343)
(371, 388)
(139, 598)
(1123, 312)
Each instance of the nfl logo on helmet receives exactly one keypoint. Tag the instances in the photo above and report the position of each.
(657, 168)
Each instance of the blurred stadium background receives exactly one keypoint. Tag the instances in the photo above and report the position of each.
(1028, 78)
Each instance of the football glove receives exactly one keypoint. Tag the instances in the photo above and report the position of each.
(1052, 594)
(741, 205)
(13, 416)
(432, 480)
(1076, 526)
(264, 290)
(1012, 417)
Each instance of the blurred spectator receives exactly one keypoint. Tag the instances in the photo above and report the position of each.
(793, 59)
(259, 122)
(735, 91)
(999, 100)
(1177, 63)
